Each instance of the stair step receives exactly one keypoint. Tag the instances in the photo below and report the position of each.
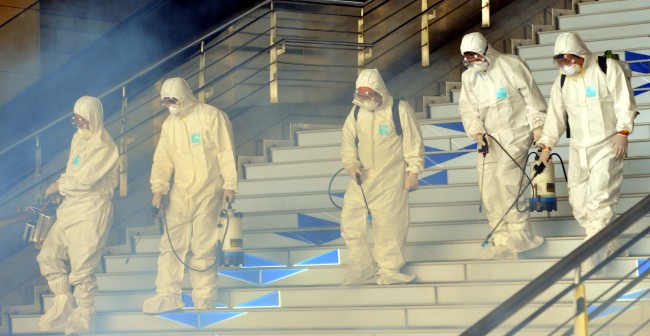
(610, 6)
(629, 15)
(595, 46)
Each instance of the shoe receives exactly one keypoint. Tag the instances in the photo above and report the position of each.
(391, 277)
(80, 322)
(162, 304)
(58, 314)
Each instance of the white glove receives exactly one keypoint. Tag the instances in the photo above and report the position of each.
(229, 195)
(354, 171)
(537, 133)
(156, 201)
(52, 189)
(412, 181)
(544, 156)
(619, 143)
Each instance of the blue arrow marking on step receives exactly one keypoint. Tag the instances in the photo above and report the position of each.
(317, 237)
(644, 86)
(642, 266)
(641, 294)
(607, 311)
(253, 261)
(428, 149)
(642, 67)
(187, 318)
(265, 301)
(456, 126)
(268, 276)
(250, 276)
(436, 178)
(328, 258)
(210, 318)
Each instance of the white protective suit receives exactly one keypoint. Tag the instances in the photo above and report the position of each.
(506, 103)
(196, 146)
(598, 106)
(384, 158)
(82, 223)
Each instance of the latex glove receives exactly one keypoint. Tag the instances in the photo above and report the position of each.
(156, 201)
(229, 195)
(479, 138)
(354, 171)
(544, 156)
(52, 189)
(412, 181)
(619, 143)
(537, 133)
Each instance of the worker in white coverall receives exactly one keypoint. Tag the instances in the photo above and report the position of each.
(196, 147)
(499, 97)
(83, 221)
(601, 111)
(388, 166)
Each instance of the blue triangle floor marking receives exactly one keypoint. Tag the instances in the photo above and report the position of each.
(186, 318)
(642, 67)
(268, 276)
(317, 238)
(250, 276)
(436, 178)
(428, 149)
(641, 294)
(310, 221)
(456, 126)
(328, 258)
(266, 301)
(608, 311)
(642, 265)
(644, 86)
(211, 318)
(253, 261)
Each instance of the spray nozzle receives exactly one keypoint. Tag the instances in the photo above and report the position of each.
(539, 168)
(154, 211)
(484, 149)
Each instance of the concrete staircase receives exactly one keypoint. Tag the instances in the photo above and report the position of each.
(295, 257)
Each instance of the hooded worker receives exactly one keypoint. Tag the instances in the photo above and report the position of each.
(83, 221)
(196, 147)
(499, 98)
(600, 108)
(387, 165)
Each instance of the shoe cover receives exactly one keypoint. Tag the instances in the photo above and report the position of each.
(201, 303)
(354, 275)
(490, 252)
(391, 277)
(161, 304)
(523, 241)
(614, 245)
(57, 314)
(81, 321)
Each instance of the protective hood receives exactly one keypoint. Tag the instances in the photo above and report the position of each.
(474, 42)
(179, 89)
(372, 78)
(571, 43)
(91, 109)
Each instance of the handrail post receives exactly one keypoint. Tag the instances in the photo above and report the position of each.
(485, 14)
(424, 32)
(582, 318)
(38, 162)
(202, 72)
(273, 58)
(361, 54)
(123, 163)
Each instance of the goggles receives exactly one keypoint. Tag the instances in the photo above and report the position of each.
(562, 61)
(79, 121)
(170, 101)
(366, 95)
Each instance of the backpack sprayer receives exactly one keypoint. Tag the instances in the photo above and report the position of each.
(230, 244)
(543, 196)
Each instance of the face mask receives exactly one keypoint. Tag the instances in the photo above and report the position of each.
(84, 133)
(570, 70)
(174, 110)
(479, 66)
(370, 105)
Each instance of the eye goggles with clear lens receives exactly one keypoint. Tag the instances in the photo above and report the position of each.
(468, 60)
(79, 122)
(562, 61)
(366, 95)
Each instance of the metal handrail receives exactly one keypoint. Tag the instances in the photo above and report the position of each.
(19, 13)
(140, 74)
(564, 266)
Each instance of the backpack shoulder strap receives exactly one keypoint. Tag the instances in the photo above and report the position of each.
(602, 63)
(356, 112)
(396, 121)
(562, 79)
